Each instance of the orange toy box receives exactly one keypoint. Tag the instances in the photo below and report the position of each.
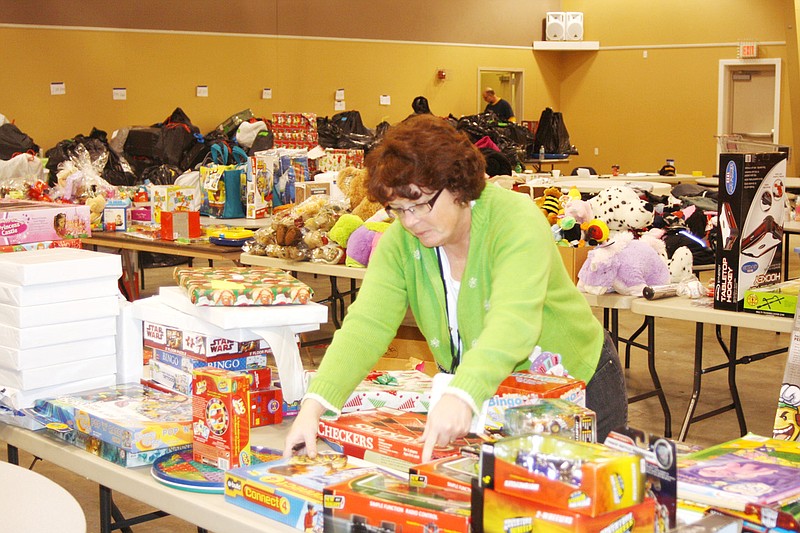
(586, 478)
(221, 418)
(456, 472)
(377, 502)
(495, 512)
(524, 388)
(386, 437)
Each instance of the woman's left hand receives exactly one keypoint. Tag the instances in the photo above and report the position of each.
(449, 419)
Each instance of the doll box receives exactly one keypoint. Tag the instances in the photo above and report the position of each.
(221, 416)
(586, 478)
(24, 295)
(62, 265)
(290, 490)
(495, 512)
(199, 345)
(408, 390)
(376, 502)
(385, 437)
(54, 313)
(241, 286)
(41, 245)
(23, 221)
(455, 473)
(47, 376)
(54, 354)
(22, 338)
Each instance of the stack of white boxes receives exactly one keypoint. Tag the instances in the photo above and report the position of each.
(58, 323)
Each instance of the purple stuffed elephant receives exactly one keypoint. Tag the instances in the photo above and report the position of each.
(624, 266)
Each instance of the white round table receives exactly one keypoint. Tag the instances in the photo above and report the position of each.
(31, 502)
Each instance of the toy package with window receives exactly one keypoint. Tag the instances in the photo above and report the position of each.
(24, 221)
(377, 502)
(456, 472)
(752, 198)
(552, 416)
(260, 181)
(495, 512)
(221, 415)
(587, 478)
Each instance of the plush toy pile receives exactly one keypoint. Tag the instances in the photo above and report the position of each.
(629, 254)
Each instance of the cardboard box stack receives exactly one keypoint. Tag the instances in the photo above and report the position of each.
(59, 308)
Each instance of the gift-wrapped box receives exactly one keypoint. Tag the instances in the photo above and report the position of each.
(404, 390)
(241, 286)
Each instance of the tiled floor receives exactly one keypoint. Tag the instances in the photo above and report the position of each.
(759, 384)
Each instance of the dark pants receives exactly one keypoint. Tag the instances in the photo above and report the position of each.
(606, 394)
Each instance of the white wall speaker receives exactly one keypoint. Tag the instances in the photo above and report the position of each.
(555, 27)
(573, 23)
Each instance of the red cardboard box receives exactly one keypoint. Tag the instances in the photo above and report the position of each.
(376, 502)
(582, 477)
(180, 225)
(455, 473)
(266, 407)
(494, 512)
(385, 437)
(221, 417)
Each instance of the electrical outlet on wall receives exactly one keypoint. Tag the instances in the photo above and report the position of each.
(596, 151)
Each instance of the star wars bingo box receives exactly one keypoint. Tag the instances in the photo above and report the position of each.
(752, 204)
(290, 490)
(198, 345)
(586, 478)
(221, 415)
(376, 502)
(386, 437)
(495, 512)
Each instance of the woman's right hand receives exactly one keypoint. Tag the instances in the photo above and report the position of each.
(303, 433)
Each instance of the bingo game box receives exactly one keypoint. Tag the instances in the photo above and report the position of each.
(752, 204)
(587, 478)
(221, 415)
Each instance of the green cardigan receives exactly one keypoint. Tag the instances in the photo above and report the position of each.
(515, 294)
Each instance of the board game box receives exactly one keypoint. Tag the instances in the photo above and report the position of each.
(386, 437)
(377, 502)
(194, 344)
(221, 415)
(586, 478)
(241, 286)
(290, 490)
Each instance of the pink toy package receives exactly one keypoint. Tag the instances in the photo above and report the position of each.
(23, 221)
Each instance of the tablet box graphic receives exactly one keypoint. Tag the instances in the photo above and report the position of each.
(750, 228)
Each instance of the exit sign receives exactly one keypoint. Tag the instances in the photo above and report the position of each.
(748, 50)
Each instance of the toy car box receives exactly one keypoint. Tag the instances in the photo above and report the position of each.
(552, 416)
(456, 472)
(587, 478)
(495, 512)
(221, 415)
(752, 197)
(376, 502)
(290, 490)
(386, 437)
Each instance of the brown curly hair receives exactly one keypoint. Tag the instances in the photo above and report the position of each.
(422, 155)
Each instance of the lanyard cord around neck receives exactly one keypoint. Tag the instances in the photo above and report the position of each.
(455, 347)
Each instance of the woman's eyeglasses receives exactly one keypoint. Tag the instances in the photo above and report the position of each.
(418, 210)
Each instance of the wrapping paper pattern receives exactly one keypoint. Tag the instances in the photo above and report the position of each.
(241, 286)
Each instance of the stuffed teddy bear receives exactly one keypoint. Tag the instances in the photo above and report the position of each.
(550, 204)
(353, 183)
(625, 265)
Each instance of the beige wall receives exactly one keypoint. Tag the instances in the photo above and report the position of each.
(635, 111)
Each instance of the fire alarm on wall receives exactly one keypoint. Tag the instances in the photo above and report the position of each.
(441, 74)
